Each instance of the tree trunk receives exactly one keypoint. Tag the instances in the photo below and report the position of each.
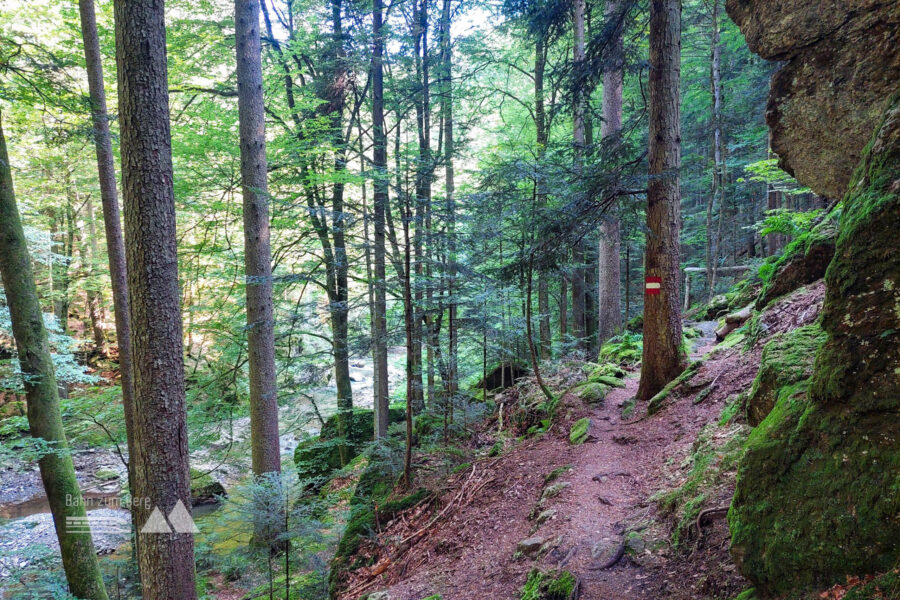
(662, 357)
(94, 297)
(380, 199)
(715, 79)
(540, 60)
(115, 243)
(563, 308)
(265, 450)
(161, 453)
(39, 378)
(610, 292)
(449, 191)
(579, 328)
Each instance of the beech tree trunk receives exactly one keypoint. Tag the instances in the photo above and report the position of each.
(380, 199)
(161, 453)
(265, 451)
(610, 291)
(662, 357)
(39, 379)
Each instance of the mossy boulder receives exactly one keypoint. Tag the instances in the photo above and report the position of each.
(549, 585)
(578, 434)
(623, 350)
(205, 489)
(786, 359)
(818, 489)
(803, 261)
(319, 457)
(659, 400)
(591, 393)
(606, 370)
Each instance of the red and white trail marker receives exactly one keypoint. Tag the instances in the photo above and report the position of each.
(653, 285)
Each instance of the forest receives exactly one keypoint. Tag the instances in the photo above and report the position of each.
(450, 299)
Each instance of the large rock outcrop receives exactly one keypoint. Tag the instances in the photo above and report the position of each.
(818, 490)
(842, 63)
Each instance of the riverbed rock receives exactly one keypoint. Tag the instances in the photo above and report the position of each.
(33, 536)
(842, 63)
(205, 489)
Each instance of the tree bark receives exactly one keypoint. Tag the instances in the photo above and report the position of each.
(610, 291)
(662, 357)
(161, 451)
(39, 379)
(265, 449)
(540, 121)
(94, 297)
(718, 145)
(449, 192)
(579, 329)
(380, 199)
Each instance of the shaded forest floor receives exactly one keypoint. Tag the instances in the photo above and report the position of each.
(656, 487)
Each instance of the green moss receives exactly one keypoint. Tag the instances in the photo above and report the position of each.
(885, 586)
(657, 401)
(550, 585)
(714, 458)
(319, 457)
(607, 370)
(622, 349)
(803, 261)
(787, 359)
(106, 474)
(579, 431)
(818, 490)
(591, 393)
(555, 473)
(748, 594)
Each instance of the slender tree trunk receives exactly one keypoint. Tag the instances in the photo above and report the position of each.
(662, 357)
(563, 308)
(340, 296)
(540, 118)
(579, 326)
(115, 242)
(449, 192)
(161, 452)
(39, 379)
(265, 449)
(715, 78)
(610, 292)
(380, 199)
(532, 352)
(94, 297)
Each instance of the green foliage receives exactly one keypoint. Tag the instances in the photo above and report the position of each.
(623, 350)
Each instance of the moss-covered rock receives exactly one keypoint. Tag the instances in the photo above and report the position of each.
(579, 431)
(622, 349)
(205, 489)
(319, 457)
(659, 400)
(786, 359)
(606, 370)
(591, 393)
(549, 585)
(803, 261)
(818, 490)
